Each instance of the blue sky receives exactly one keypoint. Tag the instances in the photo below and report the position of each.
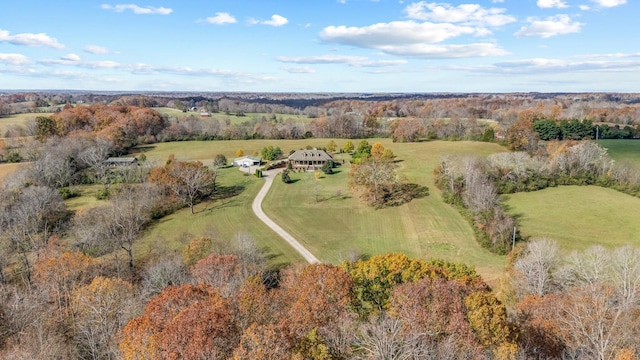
(321, 45)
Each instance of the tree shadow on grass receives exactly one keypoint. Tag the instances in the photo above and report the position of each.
(404, 193)
(144, 148)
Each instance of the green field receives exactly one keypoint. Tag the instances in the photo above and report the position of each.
(20, 120)
(623, 151)
(222, 219)
(232, 118)
(578, 216)
(341, 225)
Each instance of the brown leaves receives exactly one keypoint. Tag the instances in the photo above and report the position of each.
(182, 322)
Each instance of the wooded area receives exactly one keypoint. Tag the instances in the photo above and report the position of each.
(74, 284)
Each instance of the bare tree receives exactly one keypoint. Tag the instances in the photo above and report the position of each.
(29, 217)
(536, 266)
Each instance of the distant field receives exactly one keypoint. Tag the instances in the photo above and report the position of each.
(623, 151)
(17, 120)
(578, 216)
(232, 118)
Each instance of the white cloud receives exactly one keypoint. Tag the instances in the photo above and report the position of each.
(70, 57)
(276, 20)
(14, 59)
(29, 39)
(299, 70)
(609, 3)
(551, 26)
(584, 7)
(393, 33)
(552, 4)
(357, 61)
(542, 65)
(95, 49)
(470, 14)
(138, 10)
(222, 18)
(445, 51)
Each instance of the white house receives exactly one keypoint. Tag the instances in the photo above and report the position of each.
(246, 161)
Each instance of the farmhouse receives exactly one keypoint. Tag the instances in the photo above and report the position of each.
(246, 161)
(309, 159)
(121, 161)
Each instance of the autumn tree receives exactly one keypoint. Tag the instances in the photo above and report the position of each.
(521, 136)
(60, 275)
(100, 310)
(239, 153)
(189, 181)
(377, 149)
(220, 161)
(29, 217)
(376, 178)
(348, 147)
(182, 322)
(332, 146)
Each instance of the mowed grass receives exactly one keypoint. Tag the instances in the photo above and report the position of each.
(578, 217)
(623, 151)
(224, 218)
(340, 225)
(21, 120)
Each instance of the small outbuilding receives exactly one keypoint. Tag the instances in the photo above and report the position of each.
(246, 161)
(309, 159)
(121, 161)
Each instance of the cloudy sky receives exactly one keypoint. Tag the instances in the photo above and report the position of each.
(321, 45)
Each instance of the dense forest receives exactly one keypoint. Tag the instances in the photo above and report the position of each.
(72, 287)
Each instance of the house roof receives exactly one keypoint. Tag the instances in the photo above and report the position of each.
(253, 158)
(306, 155)
(121, 160)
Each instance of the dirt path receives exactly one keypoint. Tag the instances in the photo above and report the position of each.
(257, 209)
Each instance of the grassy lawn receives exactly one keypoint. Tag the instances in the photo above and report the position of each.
(623, 151)
(340, 224)
(17, 120)
(221, 219)
(578, 216)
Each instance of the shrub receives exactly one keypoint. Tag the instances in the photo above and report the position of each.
(286, 178)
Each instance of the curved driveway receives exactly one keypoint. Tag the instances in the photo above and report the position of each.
(257, 209)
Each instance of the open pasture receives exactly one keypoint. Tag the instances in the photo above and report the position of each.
(17, 120)
(623, 151)
(224, 218)
(233, 118)
(340, 225)
(578, 217)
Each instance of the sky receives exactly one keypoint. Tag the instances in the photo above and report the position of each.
(371, 46)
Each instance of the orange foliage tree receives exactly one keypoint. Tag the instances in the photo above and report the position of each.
(182, 322)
